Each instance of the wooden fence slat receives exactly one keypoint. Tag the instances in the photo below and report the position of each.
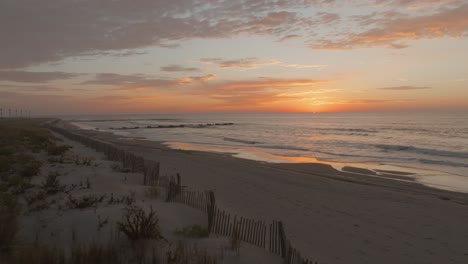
(243, 229)
(269, 240)
(249, 236)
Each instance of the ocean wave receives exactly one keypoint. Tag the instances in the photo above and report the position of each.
(444, 163)
(431, 152)
(123, 120)
(285, 147)
(172, 126)
(240, 140)
(346, 155)
(347, 130)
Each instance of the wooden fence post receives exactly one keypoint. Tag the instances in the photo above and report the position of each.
(211, 210)
(282, 240)
(179, 184)
(171, 191)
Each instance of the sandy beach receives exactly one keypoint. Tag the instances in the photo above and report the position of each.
(331, 216)
(75, 201)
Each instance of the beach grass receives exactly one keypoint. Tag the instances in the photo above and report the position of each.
(41, 174)
(138, 224)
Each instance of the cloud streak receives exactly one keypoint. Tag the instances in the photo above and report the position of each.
(448, 22)
(31, 88)
(404, 88)
(244, 63)
(178, 68)
(140, 81)
(34, 77)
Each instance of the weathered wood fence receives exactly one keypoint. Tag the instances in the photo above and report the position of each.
(270, 236)
(150, 169)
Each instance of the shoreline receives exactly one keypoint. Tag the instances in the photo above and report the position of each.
(332, 216)
(349, 171)
(429, 177)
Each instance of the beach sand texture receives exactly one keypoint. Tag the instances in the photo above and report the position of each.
(54, 223)
(331, 216)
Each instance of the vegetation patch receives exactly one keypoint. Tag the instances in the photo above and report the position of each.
(84, 201)
(137, 224)
(57, 150)
(51, 184)
(9, 210)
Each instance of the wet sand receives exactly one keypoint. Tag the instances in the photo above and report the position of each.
(331, 216)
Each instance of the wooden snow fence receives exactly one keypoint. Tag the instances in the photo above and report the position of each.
(246, 229)
(135, 163)
(271, 236)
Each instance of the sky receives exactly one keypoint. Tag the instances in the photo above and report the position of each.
(171, 56)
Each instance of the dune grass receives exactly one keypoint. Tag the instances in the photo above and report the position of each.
(138, 224)
(20, 142)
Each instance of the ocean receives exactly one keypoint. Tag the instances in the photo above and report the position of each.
(433, 146)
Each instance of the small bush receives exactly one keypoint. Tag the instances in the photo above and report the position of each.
(54, 150)
(128, 200)
(195, 231)
(51, 184)
(84, 201)
(137, 224)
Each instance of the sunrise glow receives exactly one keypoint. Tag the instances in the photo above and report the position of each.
(233, 56)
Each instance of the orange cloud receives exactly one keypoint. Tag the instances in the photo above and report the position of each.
(143, 82)
(245, 63)
(264, 83)
(404, 88)
(448, 22)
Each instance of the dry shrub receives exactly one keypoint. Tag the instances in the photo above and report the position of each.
(137, 224)
(51, 184)
(84, 201)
